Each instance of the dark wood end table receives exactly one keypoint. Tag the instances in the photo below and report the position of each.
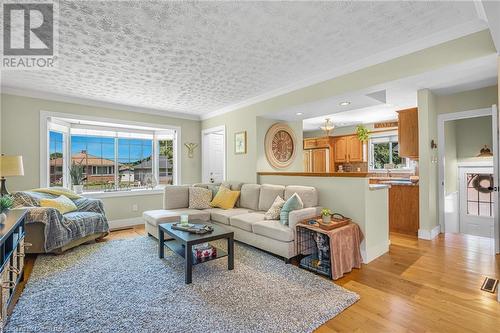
(182, 243)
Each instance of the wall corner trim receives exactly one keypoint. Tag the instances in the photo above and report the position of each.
(429, 234)
(374, 252)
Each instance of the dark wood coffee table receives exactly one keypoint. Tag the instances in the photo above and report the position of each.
(183, 241)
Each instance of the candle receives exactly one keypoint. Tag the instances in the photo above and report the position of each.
(184, 219)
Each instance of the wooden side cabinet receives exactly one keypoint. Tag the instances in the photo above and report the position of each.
(408, 133)
(12, 260)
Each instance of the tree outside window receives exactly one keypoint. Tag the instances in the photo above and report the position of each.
(385, 152)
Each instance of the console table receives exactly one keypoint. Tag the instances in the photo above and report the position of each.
(11, 259)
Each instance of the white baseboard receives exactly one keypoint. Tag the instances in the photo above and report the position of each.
(374, 252)
(429, 234)
(125, 223)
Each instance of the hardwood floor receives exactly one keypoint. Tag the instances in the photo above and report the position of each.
(419, 286)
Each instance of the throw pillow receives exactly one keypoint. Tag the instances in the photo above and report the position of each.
(62, 203)
(274, 212)
(225, 198)
(293, 203)
(214, 189)
(199, 197)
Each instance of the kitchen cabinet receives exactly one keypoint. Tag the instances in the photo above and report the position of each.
(408, 133)
(308, 160)
(340, 145)
(348, 149)
(354, 149)
(404, 209)
(318, 154)
(321, 160)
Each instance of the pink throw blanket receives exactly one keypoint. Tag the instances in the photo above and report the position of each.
(345, 253)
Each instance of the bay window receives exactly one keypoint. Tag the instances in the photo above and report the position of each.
(114, 157)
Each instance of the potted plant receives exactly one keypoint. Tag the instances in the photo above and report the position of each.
(363, 133)
(77, 178)
(5, 203)
(326, 215)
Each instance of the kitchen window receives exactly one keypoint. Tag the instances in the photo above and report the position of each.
(384, 153)
(115, 157)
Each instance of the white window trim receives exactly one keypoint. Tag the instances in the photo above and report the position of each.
(45, 116)
(409, 169)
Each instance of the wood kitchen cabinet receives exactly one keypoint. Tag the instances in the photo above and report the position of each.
(308, 160)
(348, 149)
(408, 133)
(404, 209)
(354, 149)
(321, 160)
(340, 144)
(318, 154)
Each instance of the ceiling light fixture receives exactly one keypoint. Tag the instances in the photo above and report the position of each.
(327, 127)
(299, 113)
(344, 103)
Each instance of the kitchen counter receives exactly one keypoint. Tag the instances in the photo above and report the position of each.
(374, 187)
(316, 174)
(398, 183)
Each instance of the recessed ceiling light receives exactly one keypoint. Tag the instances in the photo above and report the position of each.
(344, 103)
(299, 113)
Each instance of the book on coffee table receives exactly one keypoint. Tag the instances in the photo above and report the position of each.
(193, 228)
(203, 251)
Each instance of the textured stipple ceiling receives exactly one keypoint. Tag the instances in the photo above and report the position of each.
(199, 57)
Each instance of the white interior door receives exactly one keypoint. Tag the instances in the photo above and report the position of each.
(214, 151)
(477, 209)
(496, 230)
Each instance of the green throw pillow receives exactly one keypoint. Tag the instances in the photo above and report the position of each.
(293, 203)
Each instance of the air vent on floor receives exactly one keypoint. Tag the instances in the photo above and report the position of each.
(489, 285)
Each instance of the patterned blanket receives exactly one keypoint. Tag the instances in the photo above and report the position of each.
(62, 229)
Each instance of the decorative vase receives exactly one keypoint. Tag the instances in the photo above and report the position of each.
(78, 189)
(326, 218)
(2, 217)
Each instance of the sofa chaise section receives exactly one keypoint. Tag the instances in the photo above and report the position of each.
(246, 220)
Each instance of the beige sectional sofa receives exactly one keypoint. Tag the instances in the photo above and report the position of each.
(246, 219)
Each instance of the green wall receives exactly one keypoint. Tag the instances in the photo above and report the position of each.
(20, 135)
(451, 158)
(474, 134)
(430, 105)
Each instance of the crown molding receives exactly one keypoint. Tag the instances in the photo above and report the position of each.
(95, 103)
(405, 49)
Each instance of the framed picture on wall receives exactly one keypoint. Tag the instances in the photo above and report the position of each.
(240, 142)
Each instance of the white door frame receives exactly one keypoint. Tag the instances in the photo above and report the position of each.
(442, 118)
(204, 132)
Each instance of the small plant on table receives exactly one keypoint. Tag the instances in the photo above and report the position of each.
(326, 215)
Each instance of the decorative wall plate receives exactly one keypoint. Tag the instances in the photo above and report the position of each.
(280, 145)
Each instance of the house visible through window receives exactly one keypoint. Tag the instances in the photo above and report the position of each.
(384, 153)
(113, 158)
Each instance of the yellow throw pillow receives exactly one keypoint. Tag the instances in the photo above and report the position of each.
(225, 198)
(62, 203)
(58, 191)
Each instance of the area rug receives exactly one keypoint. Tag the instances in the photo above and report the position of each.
(122, 286)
